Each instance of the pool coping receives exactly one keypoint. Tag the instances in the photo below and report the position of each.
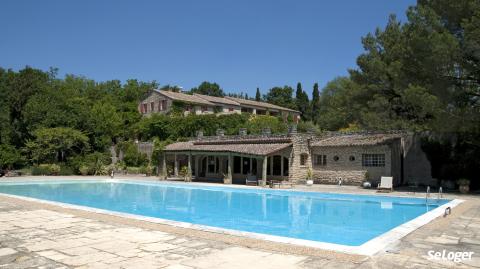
(369, 248)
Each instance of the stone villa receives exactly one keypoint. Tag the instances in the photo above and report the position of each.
(330, 157)
(353, 158)
(159, 101)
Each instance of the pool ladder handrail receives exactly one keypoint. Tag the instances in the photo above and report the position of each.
(427, 194)
(440, 193)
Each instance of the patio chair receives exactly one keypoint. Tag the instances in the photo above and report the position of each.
(386, 184)
(251, 180)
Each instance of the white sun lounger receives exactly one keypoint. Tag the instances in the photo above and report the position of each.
(386, 183)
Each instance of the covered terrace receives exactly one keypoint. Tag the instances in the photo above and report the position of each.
(229, 159)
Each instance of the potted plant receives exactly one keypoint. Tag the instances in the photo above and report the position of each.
(148, 170)
(309, 177)
(366, 184)
(463, 185)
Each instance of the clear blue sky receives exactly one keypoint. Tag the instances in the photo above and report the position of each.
(239, 44)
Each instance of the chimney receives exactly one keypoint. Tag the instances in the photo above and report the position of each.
(242, 131)
(266, 131)
(199, 134)
(292, 129)
(220, 132)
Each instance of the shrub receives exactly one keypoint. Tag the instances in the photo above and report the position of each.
(83, 169)
(102, 170)
(40, 171)
(54, 169)
(131, 155)
(26, 171)
(66, 171)
(147, 170)
(133, 170)
(463, 182)
(10, 157)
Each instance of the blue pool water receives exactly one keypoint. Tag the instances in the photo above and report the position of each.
(334, 218)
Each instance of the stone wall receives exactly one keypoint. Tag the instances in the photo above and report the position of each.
(297, 172)
(156, 98)
(352, 177)
(349, 164)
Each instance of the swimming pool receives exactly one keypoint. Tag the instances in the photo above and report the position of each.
(343, 219)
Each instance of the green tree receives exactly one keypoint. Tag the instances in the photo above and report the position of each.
(20, 87)
(258, 96)
(9, 156)
(208, 88)
(337, 106)
(55, 144)
(302, 102)
(281, 96)
(315, 104)
(256, 124)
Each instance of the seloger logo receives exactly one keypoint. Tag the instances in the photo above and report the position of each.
(450, 255)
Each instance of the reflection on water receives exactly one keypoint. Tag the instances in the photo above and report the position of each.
(349, 222)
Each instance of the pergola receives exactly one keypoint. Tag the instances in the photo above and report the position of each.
(230, 159)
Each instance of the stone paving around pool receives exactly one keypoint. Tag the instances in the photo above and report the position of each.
(36, 237)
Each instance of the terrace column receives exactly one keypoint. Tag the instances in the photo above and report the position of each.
(281, 166)
(164, 166)
(175, 169)
(228, 178)
(188, 178)
(264, 171)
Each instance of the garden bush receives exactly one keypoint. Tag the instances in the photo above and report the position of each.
(66, 171)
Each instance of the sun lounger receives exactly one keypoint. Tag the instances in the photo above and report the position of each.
(386, 184)
(251, 180)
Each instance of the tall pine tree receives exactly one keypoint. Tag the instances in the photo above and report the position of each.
(258, 97)
(302, 102)
(315, 105)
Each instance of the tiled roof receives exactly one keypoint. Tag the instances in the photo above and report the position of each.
(355, 140)
(253, 149)
(259, 104)
(214, 99)
(185, 97)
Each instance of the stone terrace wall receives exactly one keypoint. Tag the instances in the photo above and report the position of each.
(353, 177)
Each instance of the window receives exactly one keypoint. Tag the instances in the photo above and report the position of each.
(374, 160)
(164, 104)
(320, 160)
(230, 109)
(303, 159)
(336, 158)
(204, 108)
(152, 106)
(160, 107)
(145, 108)
(351, 158)
(188, 108)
